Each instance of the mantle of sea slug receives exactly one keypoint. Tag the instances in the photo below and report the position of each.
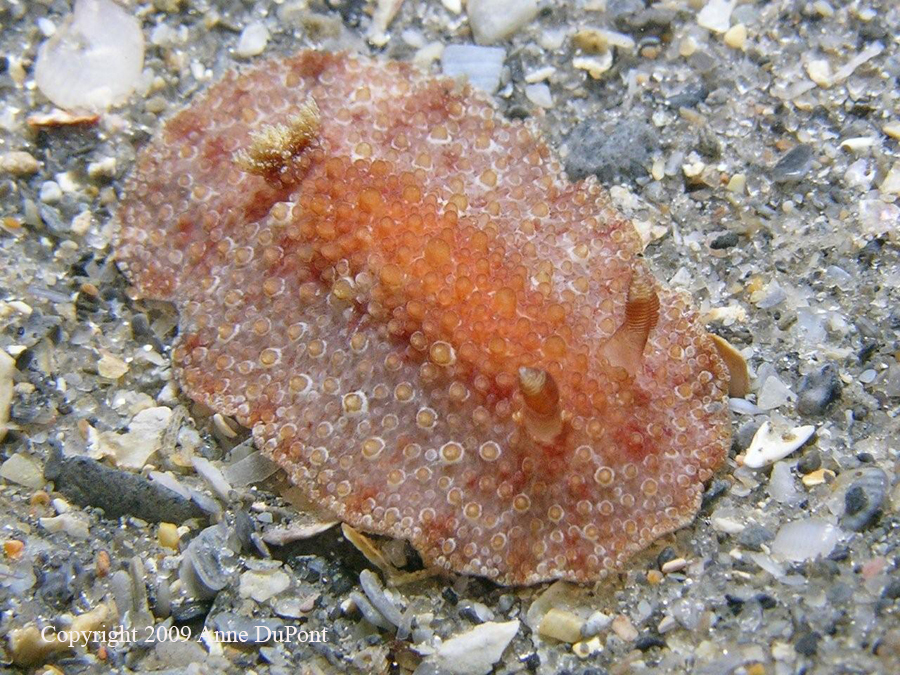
(367, 316)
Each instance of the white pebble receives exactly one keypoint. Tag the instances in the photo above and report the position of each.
(212, 475)
(716, 15)
(819, 71)
(539, 94)
(50, 192)
(540, 75)
(496, 20)
(772, 443)
(473, 652)
(7, 369)
(71, 523)
(253, 40)
(878, 217)
(103, 168)
(262, 585)
(891, 183)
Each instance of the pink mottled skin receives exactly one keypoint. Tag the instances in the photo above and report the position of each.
(368, 309)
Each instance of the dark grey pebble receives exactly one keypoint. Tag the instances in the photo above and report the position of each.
(754, 536)
(688, 97)
(744, 435)
(794, 165)
(715, 490)
(666, 555)
(892, 590)
(616, 153)
(190, 611)
(87, 482)
(818, 390)
(807, 644)
(58, 586)
(726, 240)
(450, 595)
(645, 642)
(809, 462)
(863, 498)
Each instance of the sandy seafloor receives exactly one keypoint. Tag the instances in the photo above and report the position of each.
(770, 197)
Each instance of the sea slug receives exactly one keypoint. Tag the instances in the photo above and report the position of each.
(434, 332)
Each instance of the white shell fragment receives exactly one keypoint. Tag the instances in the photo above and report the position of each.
(473, 652)
(773, 442)
(94, 60)
(806, 539)
(482, 65)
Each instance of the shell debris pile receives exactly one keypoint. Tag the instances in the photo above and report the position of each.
(436, 334)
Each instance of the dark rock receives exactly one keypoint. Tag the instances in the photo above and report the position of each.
(766, 601)
(666, 555)
(531, 661)
(794, 165)
(735, 604)
(754, 536)
(612, 154)
(839, 554)
(726, 240)
(244, 528)
(807, 643)
(645, 642)
(341, 583)
(892, 590)
(708, 144)
(450, 595)
(190, 611)
(819, 390)
(87, 482)
(744, 435)
(863, 498)
(59, 586)
(690, 96)
(809, 462)
(715, 490)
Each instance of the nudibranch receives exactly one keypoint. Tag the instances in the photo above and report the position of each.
(436, 334)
